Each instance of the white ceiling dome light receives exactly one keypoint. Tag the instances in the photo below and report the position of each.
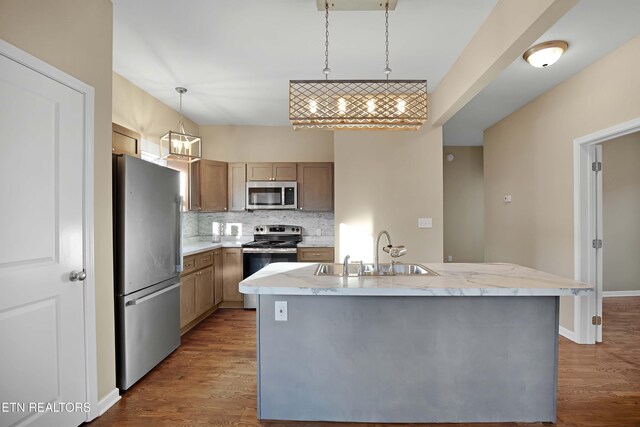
(544, 54)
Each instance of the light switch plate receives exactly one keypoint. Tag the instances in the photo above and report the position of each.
(425, 222)
(281, 311)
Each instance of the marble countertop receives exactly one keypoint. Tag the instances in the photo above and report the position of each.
(456, 279)
(192, 248)
(315, 245)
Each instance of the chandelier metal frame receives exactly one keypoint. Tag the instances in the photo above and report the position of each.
(358, 104)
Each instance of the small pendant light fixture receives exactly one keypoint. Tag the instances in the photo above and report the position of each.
(357, 104)
(544, 54)
(180, 145)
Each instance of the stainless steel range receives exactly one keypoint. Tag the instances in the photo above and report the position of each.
(271, 243)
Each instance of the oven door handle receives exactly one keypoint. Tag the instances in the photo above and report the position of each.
(269, 250)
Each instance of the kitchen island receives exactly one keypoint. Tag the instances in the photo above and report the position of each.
(477, 343)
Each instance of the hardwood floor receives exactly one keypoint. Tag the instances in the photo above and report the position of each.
(211, 378)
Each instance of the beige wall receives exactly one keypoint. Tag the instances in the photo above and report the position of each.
(75, 36)
(385, 181)
(529, 155)
(621, 213)
(463, 193)
(265, 144)
(135, 109)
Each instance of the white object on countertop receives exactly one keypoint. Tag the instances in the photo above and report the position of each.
(216, 231)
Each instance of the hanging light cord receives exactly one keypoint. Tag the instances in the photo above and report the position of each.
(326, 70)
(387, 70)
(181, 91)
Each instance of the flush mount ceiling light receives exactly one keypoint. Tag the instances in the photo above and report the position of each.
(179, 145)
(544, 54)
(357, 104)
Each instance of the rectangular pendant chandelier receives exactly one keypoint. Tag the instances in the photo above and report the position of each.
(358, 104)
(180, 146)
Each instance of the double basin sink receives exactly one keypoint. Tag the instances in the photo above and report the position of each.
(384, 269)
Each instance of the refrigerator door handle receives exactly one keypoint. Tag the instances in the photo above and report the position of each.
(179, 265)
(153, 295)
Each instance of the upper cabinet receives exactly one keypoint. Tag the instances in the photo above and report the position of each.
(208, 186)
(125, 141)
(271, 171)
(237, 186)
(315, 187)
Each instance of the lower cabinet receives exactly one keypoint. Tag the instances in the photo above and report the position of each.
(209, 279)
(217, 276)
(204, 290)
(231, 274)
(316, 254)
(197, 287)
(187, 299)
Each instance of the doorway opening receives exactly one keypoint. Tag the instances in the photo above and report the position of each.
(588, 227)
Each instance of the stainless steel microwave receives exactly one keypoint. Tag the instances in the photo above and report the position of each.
(272, 195)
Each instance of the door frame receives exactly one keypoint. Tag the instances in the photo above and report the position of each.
(89, 295)
(587, 212)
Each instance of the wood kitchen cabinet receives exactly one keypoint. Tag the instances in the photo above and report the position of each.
(125, 141)
(187, 299)
(237, 186)
(315, 187)
(316, 254)
(208, 186)
(217, 276)
(200, 285)
(271, 171)
(231, 274)
(204, 290)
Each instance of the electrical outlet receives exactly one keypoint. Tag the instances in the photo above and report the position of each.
(507, 198)
(450, 258)
(281, 311)
(318, 232)
(425, 222)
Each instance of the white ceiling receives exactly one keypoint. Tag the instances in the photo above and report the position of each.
(236, 57)
(592, 28)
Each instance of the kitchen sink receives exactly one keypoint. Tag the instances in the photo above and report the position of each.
(385, 269)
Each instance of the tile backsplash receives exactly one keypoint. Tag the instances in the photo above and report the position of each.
(189, 224)
(315, 225)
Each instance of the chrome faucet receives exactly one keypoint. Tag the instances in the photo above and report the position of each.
(394, 251)
(345, 266)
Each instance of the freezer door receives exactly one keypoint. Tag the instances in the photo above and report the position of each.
(148, 324)
(147, 224)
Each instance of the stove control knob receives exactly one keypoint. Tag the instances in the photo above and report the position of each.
(261, 229)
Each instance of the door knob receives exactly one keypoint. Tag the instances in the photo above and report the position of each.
(74, 276)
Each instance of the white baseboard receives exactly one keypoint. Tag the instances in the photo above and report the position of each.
(570, 335)
(108, 401)
(620, 294)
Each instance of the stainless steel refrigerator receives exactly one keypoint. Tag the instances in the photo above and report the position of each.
(147, 263)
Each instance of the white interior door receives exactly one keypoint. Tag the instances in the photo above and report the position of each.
(42, 351)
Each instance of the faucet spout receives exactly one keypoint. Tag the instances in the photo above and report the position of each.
(345, 266)
(376, 265)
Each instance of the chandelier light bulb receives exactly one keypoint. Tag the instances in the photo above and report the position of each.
(342, 105)
(313, 107)
(401, 106)
(371, 106)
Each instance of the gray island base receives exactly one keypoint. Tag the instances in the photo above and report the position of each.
(352, 351)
